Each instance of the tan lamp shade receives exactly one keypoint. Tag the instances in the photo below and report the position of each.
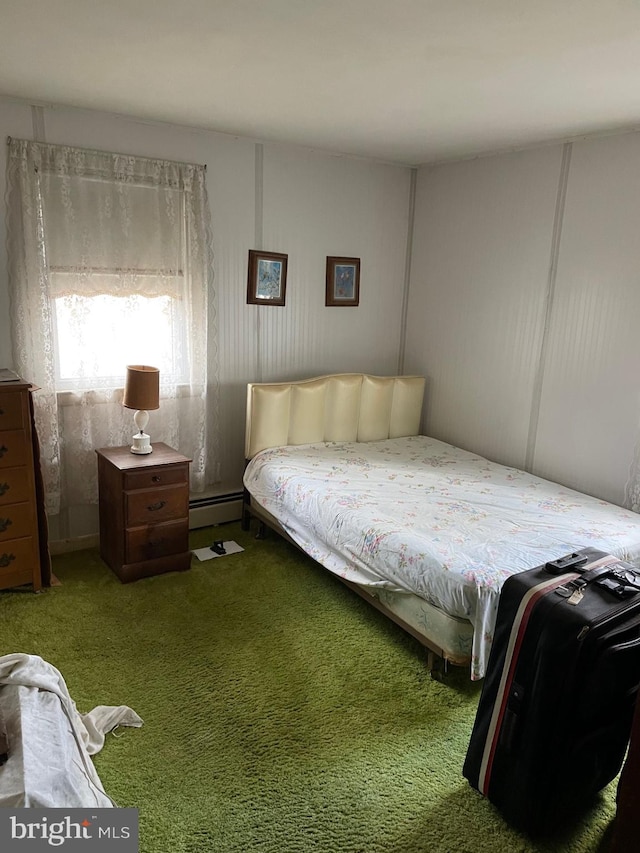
(142, 387)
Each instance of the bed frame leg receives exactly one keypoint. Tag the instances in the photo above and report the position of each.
(245, 521)
(262, 531)
(438, 666)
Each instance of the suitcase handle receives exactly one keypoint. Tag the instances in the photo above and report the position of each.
(589, 577)
(564, 564)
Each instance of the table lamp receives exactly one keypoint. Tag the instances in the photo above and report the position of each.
(141, 392)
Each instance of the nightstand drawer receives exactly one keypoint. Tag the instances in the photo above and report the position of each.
(11, 411)
(158, 540)
(16, 521)
(152, 478)
(15, 486)
(13, 448)
(152, 507)
(17, 559)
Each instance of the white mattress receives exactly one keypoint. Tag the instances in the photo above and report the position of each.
(421, 516)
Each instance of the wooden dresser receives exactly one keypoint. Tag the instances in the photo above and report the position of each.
(144, 511)
(22, 530)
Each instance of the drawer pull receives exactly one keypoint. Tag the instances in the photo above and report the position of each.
(6, 559)
(4, 523)
(3, 450)
(4, 488)
(155, 507)
(156, 478)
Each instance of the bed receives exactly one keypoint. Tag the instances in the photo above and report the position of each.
(425, 531)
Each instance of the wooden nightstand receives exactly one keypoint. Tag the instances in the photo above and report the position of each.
(144, 511)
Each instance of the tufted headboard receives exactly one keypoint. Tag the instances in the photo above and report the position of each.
(339, 407)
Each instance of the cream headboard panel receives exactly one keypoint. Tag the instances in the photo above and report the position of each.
(341, 407)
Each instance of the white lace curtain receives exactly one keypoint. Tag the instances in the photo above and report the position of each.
(109, 265)
(632, 486)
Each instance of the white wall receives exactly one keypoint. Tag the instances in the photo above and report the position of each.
(478, 281)
(308, 204)
(590, 405)
(523, 308)
(318, 206)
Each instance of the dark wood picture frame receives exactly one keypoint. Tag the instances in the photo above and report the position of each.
(343, 281)
(267, 278)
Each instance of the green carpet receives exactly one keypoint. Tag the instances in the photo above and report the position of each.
(281, 713)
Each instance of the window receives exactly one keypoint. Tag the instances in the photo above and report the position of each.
(116, 276)
(96, 336)
(109, 265)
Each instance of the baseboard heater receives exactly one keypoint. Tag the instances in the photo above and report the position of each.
(215, 509)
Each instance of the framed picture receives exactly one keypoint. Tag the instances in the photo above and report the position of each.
(343, 281)
(267, 280)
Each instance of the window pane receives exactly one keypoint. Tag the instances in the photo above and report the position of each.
(97, 336)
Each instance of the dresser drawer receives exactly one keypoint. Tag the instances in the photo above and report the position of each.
(17, 560)
(15, 486)
(13, 448)
(11, 411)
(154, 506)
(151, 478)
(16, 521)
(158, 540)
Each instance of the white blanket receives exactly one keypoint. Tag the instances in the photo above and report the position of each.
(50, 743)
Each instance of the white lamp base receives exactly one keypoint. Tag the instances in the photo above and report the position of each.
(141, 444)
(141, 441)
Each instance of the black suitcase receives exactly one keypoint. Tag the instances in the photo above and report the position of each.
(554, 716)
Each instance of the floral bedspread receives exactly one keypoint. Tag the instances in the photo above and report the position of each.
(421, 516)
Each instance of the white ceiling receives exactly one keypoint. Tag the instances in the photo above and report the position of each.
(407, 81)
